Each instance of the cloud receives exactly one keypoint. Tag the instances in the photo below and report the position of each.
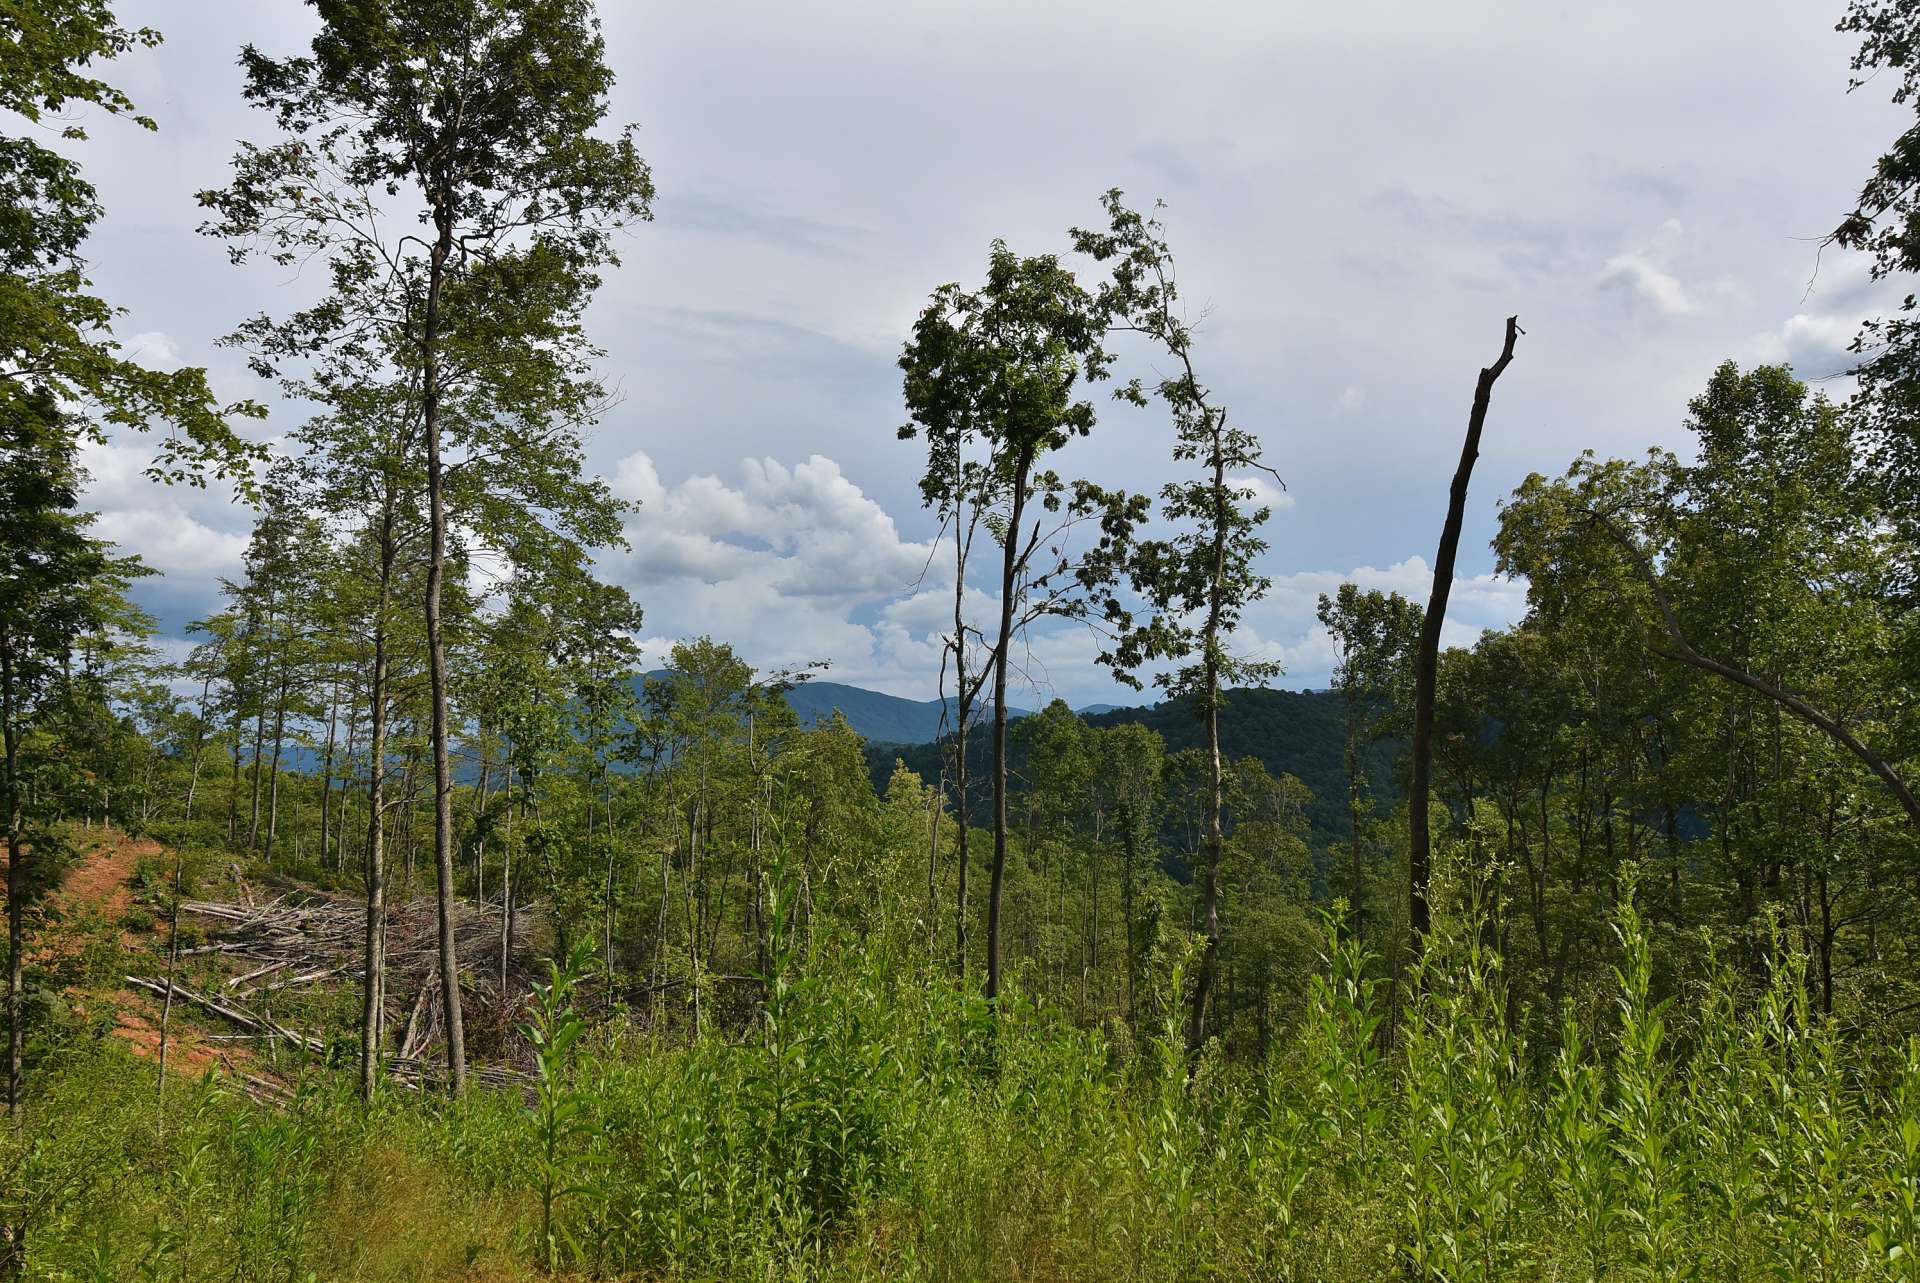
(790, 563)
(1655, 285)
(1643, 272)
(1266, 491)
(1816, 345)
(192, 537)
(747, 219)
(1826, 315)
(796, 563)
(174, 543)
(153, 349)
(824, 167)
(1285, 624)
(1169, 162)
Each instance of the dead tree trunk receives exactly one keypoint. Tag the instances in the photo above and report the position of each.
(1426, 664)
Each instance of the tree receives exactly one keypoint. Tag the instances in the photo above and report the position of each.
(1131, 759)
(279, 599)
(62, 380)
(1427, 658)
(1200, 580)
(998, 366)
(595, 624)
(1884, 224)
(56, 337)
(373, 481)
(1763, 565)
(1373, 636)
(962, 491)
(58, 585)
(484, 111)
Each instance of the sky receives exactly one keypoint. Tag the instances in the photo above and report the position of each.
(1358, 195)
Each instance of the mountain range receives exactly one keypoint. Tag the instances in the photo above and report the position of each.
(887, 719)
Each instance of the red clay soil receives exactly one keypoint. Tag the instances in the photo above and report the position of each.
(101, 880)
(103, 874)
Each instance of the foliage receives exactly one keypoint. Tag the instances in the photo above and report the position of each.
(56, 344)
(854, 1139)
(560, 1119)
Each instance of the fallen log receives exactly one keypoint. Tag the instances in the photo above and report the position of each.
(231, 1011)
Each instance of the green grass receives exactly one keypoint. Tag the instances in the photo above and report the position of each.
(882, 1127)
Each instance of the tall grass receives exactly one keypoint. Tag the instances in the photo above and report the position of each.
(875, 1126)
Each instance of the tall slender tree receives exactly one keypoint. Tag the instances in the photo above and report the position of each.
(999, 367)
(1199, 580)
(1427, 658)
(484, 113)
(58, 584)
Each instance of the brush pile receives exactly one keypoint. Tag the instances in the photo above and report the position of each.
(305, 937)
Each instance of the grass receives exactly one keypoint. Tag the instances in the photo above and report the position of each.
(882, 1127)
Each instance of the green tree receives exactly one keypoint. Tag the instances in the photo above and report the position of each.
(58, 587)
(56, 335)
(1200, 580)
(1884, 224)
(484, 112)
(1130, 759)
(998, 367)
(1373, 636)
(1762, 565)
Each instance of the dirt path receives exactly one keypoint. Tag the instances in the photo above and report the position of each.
(102, 881)
(103, 878)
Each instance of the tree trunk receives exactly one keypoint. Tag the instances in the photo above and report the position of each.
(1210, 692)
(233, 784)
(273, 773)
(506, 885)
(963, 709)
(346, 792)
(1009, 571)
(173, 967)
(437, 653)
(199, 747)
(326, 773)
(259, 747)
(374, 961)
(1356, 908)
(1426, 666)
(16, 881)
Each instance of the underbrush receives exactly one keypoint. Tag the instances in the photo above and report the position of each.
(877, 1127)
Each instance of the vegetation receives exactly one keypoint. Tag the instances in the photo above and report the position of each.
(474, 951)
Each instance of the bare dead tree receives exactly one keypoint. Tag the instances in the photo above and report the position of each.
(1426, 663)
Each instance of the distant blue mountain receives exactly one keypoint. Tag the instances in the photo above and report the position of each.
(879, 719)
(885, 720)
(876, 718)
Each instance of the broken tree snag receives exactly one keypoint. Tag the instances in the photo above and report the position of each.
(1427, 662)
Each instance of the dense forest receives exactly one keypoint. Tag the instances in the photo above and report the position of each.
(412, 927)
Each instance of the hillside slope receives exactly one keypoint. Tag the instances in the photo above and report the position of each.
(1299, 733)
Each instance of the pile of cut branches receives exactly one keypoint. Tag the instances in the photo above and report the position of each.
(304, 937)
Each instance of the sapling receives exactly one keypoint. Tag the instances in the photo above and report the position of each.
(562, 1123)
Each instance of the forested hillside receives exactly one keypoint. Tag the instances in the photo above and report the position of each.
(412, 907)
(1297, 733)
